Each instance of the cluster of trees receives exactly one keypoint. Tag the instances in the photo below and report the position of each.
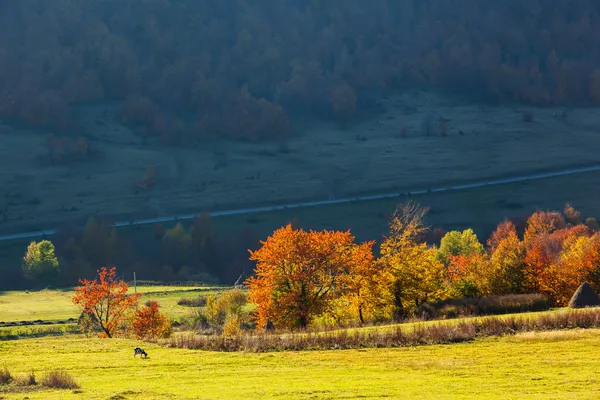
(195, 69)
(108, 307)
(305, 276)
(195, 252)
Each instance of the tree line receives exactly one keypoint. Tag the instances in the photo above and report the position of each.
(192, 252)
(190, 70)
(306, 276)
(303, 277)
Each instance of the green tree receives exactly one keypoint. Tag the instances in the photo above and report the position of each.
(40, 262)
(457, 243)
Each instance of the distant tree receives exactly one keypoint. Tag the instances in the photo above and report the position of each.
(105, 298)
(343, 100)
(592, 223)
(543, 222)
(572, 215)
(505, 229)
(40, 262)
(456, 243)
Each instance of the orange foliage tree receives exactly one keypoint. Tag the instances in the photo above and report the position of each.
(564, 260)
(106, 299)
(362, 283)
(465, 274)
(543, 222)
(505, 229)
(298, 274)
(150, 323)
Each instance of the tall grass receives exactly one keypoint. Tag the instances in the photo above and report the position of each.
(490, 305)
(59, 379)
(420, 334)
(5, 376)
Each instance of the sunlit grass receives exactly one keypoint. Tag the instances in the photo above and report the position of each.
(555, 365)
(49, 305)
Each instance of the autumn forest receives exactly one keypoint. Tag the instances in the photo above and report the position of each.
(188, 71)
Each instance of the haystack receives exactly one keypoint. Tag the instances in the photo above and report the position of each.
(584, 296)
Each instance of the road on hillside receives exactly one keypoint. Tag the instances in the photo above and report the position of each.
(251, 210)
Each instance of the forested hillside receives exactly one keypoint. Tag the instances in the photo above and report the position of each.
(190, 70)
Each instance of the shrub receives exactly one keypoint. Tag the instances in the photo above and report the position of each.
(5, 376)
(59, 379)
(150, 323)
(88, 323)
(232, 325)
(230, 302)
(199, 301)
(233, 300)
(215, 311)
(25, 380)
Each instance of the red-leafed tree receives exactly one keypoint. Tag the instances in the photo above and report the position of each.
(150, 323)
(105, 299)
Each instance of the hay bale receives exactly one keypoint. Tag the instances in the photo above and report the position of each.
(584, 296)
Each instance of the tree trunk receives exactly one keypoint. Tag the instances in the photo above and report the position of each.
(399, 307)
(303, 321)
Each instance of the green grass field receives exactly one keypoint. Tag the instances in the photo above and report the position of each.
(547, 365)
(533, 365)
(51, 305)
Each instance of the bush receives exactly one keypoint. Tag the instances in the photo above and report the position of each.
(218, 307)
(199, 301)
(25, 380)
(150, 323)
(224, 311)
(5, 376)
(232, 325)
(59, 379)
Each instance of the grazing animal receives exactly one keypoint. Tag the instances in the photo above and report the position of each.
(139, 351)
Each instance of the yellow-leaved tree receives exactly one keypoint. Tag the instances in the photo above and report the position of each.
(413, 272)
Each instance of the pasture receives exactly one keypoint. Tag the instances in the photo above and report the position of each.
(422, 140)
(53, 305)
(542, 365)
(558, 364)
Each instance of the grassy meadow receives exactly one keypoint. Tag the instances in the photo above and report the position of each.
(558, 364)
(543, 365)
(52, 305)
